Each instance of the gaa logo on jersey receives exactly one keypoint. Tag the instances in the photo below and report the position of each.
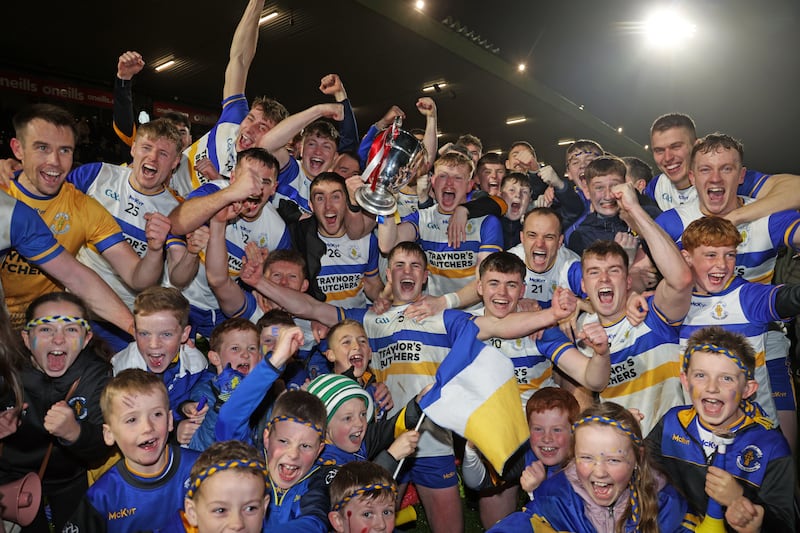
(78, 404)
(749, 460)
(60, 224)
(354, 253)
(719, 311)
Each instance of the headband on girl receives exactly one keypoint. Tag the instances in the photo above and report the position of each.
(58, 319)
(616, 424)
(296, 420)
(366, 489)
(256, 466)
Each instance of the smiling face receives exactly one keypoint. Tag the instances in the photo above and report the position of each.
(671, 151)
(349, 347)
(551, 436)
(154, 160)
(55, 346)
(247, 167)
(577, 161)
(345, 165)
(716, 175)
(716, 386)
(407, 273)
(329, 203)
(712, 266)
(450, 185)
(604, 460)
(159, 337)
(603, 201)
(500, 292)
(139, 423)
(254, 126)
(347, 426)
(365, 515)
(238, 348)
(606, 282)
(541, 238)
(230, 500)
(46, 152)
(292, 449)
(318, 154)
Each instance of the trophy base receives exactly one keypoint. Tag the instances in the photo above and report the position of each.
(378, 202)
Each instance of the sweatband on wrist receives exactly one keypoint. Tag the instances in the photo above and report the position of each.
(453, 301)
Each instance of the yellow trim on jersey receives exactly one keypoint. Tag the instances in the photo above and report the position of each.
(331, 297)
(656, 376)
(423, 368)
(451, 273)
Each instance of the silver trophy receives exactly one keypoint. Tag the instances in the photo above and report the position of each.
(394, 158)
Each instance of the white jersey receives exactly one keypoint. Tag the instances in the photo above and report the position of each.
(565, 272)
(645, 365)
(343, 268)
(191, 360)
(451, 269)
(667, 195)
(111, 185)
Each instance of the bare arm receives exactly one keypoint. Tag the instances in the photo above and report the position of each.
(196, 211)
(283, 132)
(390, 233)
(427, 107)
(373, 286)
(779, 193)
(85, 283)
(591, 372)
(674, 292)
(243, 49)
(137, 273)
(183, 262)
(520, 324)
(229, 295)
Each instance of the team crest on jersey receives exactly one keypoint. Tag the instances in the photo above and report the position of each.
(78, 404)
(470, 229)
(354, 253)
(261, 240)
(719, 311)
(744, 231)
(518, 343)
(60, 224)
(749, 460)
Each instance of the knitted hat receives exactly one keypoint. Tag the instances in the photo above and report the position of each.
(335, 389)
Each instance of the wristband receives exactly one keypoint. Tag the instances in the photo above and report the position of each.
(453, 301)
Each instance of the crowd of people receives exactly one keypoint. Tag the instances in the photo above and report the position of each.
(217, 335)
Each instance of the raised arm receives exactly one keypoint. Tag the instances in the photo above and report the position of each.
(390, 233)
(198, 209)
(228, 293)
(331, 84)
(521, 324)
(243, 49)
(591, 372)
(779, 193)
(283, 132)
(427, 107)
(674, 292)
(129, 64)
(183, 262)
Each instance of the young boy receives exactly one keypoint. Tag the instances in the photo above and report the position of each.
(352, 434)
(515, 190)
(146, 486)
(363, 496)
(757, 481)
(233, 350)
(161, 329)
(231, 477)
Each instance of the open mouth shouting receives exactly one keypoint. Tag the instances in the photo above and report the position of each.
(57, 360)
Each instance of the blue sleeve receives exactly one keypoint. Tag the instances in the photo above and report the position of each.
(286, 242)
(553, 344)
(650, 190)
(782, 228)
(83, 176)
(366, 144)
(671, 222)
(413, 218)
(673, 511)
(752, 184)
(348, 129)
(357, 313)
(31, 237)
(518, 522)
(372, 262)
(760, 302)
(206, 189)
(235, 413)
(491, 235)
(575, 277)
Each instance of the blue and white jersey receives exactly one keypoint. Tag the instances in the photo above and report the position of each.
(294, 185)
(406, 355)
(113, 187)
(449, 268)
(344, 266)
(667, 196)
(761, 239)
(533, 360)
(268, 231)
(218, 145)
(746, 308)
(645, 364)
(565, 272)
(406, 203)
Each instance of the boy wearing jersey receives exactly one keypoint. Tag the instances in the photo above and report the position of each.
(453, 270)
(644, 358)
(716, 170)
(44, 142)
(407, 354)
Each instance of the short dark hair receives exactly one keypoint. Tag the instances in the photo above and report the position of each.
(638, 169)
(503, 262)
(409, 248)
(603, 166)
(232, 324)
(714, 142)
(261, 155)
(673, 120)
(177, 118)
(490, 158)
(304, 406)
(601, 249)
(272, 109)
(545, 211)
(286, 256)
(58, 116)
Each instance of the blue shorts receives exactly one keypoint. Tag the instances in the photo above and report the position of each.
(431, 472)
(203, 321)
(780, 379)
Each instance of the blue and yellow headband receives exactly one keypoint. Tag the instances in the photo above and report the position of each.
(58, 319)
(237, 464)
(296, 420)
(713, 348)
(366, 489)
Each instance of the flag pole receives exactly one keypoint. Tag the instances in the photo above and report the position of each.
(401, 461)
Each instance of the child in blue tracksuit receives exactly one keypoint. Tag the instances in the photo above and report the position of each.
(755, 487)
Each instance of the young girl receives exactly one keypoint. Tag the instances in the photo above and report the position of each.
(609, 486)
